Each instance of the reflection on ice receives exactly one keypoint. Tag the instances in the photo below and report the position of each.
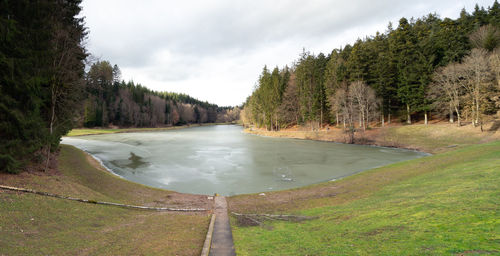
(283, 174)
(135, 161)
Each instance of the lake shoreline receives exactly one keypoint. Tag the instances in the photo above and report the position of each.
(224, 154)
(99, 131)
(86, 226)
(307, 136)
(415, 137)
(384, 202)
(323, 136)
(334, 193)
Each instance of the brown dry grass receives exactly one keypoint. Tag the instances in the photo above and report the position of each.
(37, 225)
(433, 138)
(80, 175)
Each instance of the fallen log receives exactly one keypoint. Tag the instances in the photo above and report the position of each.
(257, 218)
(25, 190)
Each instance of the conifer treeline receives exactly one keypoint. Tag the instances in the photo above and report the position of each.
(112, 101)
(41, 70)
(391, 74)
(45, 91)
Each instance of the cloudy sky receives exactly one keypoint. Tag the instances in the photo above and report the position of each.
(214, 50)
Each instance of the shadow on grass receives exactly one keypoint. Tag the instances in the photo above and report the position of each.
(495, 126)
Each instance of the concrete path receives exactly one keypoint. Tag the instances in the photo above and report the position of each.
(222, 240)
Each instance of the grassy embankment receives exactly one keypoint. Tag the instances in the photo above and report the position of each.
(37, 225)
(433, 138)
(443, 204)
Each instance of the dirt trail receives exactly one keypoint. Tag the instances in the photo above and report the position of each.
(222, 243)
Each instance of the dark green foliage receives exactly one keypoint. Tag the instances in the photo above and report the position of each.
(310, 80)
(494, 14)
(397, 64)
(452, 41)
(37, 93)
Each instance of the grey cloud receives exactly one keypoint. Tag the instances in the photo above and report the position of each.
(201, 33)
(230, 25)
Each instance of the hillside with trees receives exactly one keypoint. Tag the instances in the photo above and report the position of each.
(446, 67)
(45, 90)
(111, 101)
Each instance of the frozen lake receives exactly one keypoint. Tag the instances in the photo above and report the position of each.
(222, 159)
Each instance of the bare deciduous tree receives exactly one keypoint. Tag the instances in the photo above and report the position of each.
(495, 66)
(365, 100)
(486, 37)
(476, 75)
(446, 83)
(343, 103)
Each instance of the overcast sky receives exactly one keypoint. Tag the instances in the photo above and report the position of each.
(214, 50)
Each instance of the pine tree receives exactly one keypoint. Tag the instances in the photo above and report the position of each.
(41, 67)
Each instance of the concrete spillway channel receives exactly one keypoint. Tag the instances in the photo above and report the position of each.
(219, 238)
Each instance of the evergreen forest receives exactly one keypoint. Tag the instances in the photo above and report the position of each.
(48, 86)
(445, 68)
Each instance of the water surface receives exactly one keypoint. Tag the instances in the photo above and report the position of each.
(224, 160)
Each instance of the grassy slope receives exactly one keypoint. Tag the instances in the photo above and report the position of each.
(419, 207)
(442, 204)
(390, 204)
(36, 225)
(437, 138)
(434, 138)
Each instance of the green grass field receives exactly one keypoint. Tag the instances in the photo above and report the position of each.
(37, 225)
(445, 204)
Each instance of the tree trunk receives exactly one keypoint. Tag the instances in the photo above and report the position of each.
(389, 118)
(321, 120)
(337, 117)
(276, 121)
(271, 122)
(343, 119)
(425, 115)
(458, 116)
(367, 117)
(363, 118)
(477, 112)
(51, 125)
(48, 159)
(473, 113)
(352, 135)
(383, 123)
(408, 118)
(451, 115)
